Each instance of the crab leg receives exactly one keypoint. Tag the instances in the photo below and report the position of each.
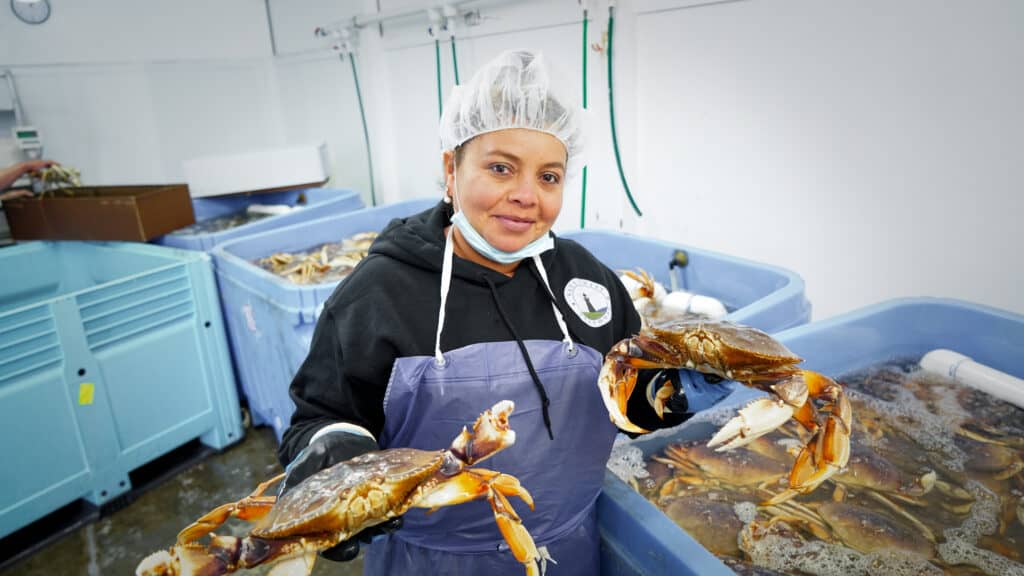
(252, 507)
(468, 485)
(293, 556)
(896, 508)
(520, 542)
(828, 451)
(474, 483)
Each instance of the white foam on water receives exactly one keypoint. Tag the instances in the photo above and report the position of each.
(898, 562)
(931, 432)
(960, 552)
(745, 511)
(946, 392)
(823, 559)
(960, 545)
(627, 462)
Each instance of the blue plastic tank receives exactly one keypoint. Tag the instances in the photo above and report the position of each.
(317, 203)
(637, 538)
(756, 294)
(271, 320)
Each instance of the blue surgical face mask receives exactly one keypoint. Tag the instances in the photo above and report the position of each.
(484, 248)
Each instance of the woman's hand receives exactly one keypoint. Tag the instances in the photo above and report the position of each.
(322, 453)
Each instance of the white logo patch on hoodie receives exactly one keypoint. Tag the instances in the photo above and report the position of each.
(590, 301)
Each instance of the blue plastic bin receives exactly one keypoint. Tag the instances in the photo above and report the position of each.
(320, 202)
(271, 320)
(645, 541)
(111, 354)
(759, 295)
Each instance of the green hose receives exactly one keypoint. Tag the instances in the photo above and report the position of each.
(611, 110)
(437, 66)
(583, 201)
(455, 61)
(366, 132)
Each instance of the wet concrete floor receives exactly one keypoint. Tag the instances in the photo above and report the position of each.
(116, 543)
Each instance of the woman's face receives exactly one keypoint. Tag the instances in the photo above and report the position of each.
(509, 185)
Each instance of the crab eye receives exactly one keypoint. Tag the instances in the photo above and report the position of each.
(451, 465)
(635, 351)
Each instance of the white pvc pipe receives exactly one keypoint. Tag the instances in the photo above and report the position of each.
(966, 371)
(19, 115)
(363, 20)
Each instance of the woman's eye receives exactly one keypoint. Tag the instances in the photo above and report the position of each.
(551, 178)
(500, 169)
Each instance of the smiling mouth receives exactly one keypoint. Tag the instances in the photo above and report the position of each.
(516, 220)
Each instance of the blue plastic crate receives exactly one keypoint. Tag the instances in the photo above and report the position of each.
(645, 541)
(759, 295)
(111, 354)
(320, 202)
(271, 320)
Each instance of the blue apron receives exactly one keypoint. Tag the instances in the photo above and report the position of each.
(429, 400)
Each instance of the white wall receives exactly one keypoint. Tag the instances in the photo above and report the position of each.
(873, 147)
(877, 148)
(99, 31)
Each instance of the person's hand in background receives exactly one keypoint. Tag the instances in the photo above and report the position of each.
(11, 194)
(11, 174)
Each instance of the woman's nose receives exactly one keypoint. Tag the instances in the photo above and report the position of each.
(525, 192)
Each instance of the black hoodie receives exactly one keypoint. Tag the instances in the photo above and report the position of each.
(387, 308)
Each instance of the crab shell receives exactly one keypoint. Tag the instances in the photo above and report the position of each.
(353, 495)
(718, 347)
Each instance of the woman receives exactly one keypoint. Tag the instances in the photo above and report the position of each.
(522, 315)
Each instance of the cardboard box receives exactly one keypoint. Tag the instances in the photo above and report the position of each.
(133, 213)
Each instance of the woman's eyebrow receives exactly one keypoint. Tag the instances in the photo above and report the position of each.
(513, 158)
(506, 155)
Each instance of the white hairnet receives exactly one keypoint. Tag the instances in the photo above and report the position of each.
(512, 91)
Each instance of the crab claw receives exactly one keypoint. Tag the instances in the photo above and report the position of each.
(825, 454)
(616, 383)
(753, 421)
(490, 435)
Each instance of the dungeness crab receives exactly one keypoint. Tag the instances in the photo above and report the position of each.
(337, 503)
(746, 355)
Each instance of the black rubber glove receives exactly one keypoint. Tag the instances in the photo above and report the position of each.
(694, 392)
(324, 452)
(701, 391)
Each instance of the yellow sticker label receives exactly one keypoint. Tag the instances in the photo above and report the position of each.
(85, 393)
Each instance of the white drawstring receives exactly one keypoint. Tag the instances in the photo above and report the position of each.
(446, 282)
(558, 313)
